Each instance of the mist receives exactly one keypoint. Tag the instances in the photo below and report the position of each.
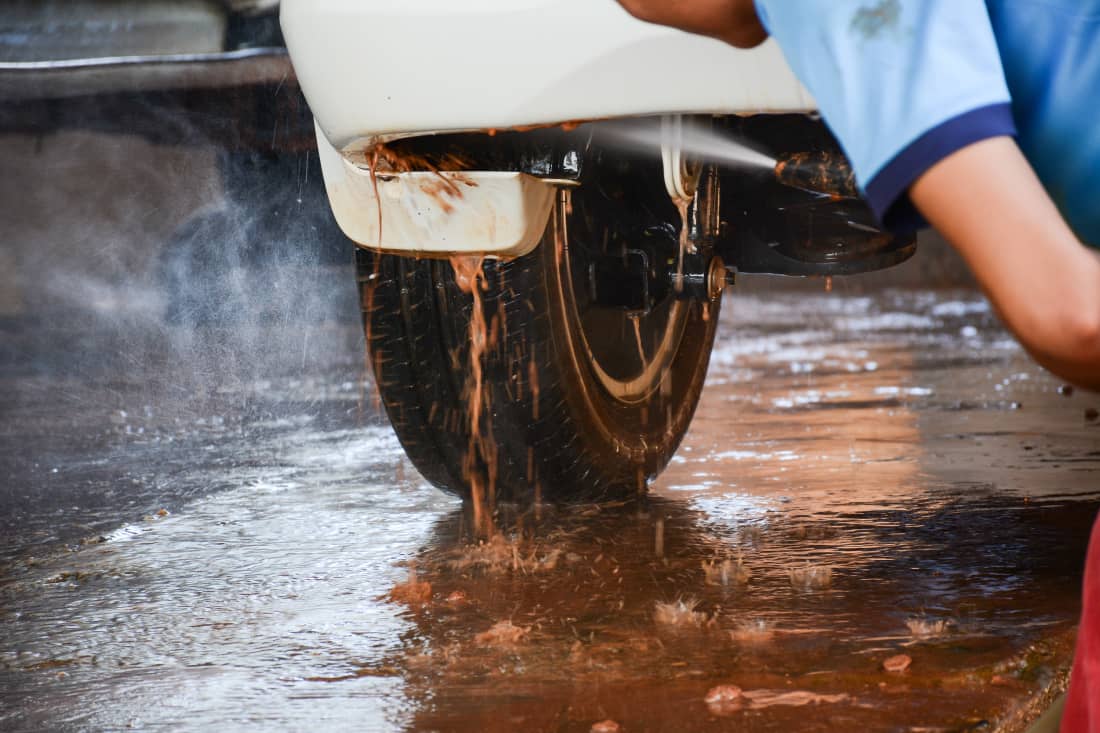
(186, 270)
(168, 297)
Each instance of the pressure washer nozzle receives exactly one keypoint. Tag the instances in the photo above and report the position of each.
(819, 172)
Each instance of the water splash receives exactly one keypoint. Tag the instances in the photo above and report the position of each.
(711, 146)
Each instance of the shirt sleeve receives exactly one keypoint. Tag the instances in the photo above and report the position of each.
(901, 83)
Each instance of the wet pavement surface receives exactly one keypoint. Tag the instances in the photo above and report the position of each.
(196, 537)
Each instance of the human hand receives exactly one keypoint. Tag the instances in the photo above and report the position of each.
(732, 21)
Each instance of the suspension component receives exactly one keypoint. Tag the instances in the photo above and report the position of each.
(704, 277)
(680, 170)
(637, 280)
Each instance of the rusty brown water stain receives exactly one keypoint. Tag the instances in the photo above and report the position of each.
(818, 477)
(566, 125)
(533, 381)
(412, 591)
(686, 245)
(591, 619)
(869, 435)
(819, 172)
(397, 157)
(480, 465)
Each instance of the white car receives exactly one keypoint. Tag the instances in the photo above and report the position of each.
(552, 151)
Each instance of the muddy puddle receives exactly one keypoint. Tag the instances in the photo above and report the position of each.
(870, 484)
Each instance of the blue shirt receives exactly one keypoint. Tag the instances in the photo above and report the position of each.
(904, 83)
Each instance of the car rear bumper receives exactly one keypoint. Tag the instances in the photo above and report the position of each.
(373, 69)
(437, 214)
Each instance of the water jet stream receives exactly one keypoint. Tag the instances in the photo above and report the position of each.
(698, 141)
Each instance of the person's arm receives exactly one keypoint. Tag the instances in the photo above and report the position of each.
(732, 21)
(917, 98)
(986, 200)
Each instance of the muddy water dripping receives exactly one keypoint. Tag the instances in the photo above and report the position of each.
(480, 464)
(383, 159)
(686, 245)
(373, 162)
(533, 381)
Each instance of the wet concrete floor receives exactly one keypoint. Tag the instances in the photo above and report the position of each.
(237, 547)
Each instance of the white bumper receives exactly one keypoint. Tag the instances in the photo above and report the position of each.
(378, 69)
(393, 67)
(489, 213)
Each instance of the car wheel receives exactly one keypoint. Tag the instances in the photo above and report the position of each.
(570, 398)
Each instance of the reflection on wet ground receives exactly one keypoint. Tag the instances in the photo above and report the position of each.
(867, 477)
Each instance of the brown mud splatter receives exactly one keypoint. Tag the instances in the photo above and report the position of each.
(480, 464)
(819, 172)
(724, 699)
(726, 572)
(810, 577)
(502, 633)
(680, 614)
(757, 631)
(396, 157)
(795, 698)
(588, 602)
(925, 628)
(897, 663)
(500, 555)
(686, 245)
(412, 592)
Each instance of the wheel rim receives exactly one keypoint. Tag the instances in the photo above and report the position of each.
(628, 353)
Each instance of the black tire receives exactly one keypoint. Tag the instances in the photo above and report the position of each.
(557, 430)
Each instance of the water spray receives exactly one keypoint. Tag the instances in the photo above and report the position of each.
(692, 143)
(693, 138)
